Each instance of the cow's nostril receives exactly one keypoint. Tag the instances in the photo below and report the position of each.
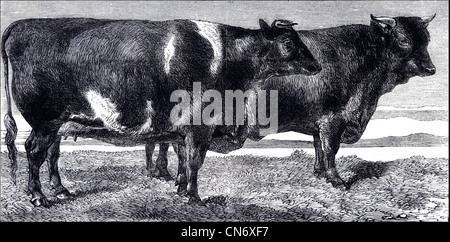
(314, 69)
(430, 70)
(319, 68)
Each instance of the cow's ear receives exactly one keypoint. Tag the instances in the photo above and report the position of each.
(427, 20)
(266, 30)
(383, 24)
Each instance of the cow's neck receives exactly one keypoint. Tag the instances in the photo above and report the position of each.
(385, 74)
(245, 54)
(379, 81)
(384, 77)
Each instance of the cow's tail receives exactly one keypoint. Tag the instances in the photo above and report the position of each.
(10, 123)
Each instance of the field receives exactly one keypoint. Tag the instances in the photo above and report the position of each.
(113, 186)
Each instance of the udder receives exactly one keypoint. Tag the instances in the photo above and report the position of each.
(75, 130)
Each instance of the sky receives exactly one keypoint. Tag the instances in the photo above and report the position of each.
(418, 92)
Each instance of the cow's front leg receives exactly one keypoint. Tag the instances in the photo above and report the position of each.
(196, 148)
(330, 132)
(319, 165)
(55, 180)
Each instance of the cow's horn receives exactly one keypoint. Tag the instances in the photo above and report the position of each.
(384, 20)
(279, 23)
(428, 19)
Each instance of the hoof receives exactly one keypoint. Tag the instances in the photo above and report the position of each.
(161, 174)
(39, 201)
(195, 200)
(333, 177)
(319, 173)
(182, 190)
(181, 180)
(63, 195)
(337, 182)
(343, 187)
(165, 178)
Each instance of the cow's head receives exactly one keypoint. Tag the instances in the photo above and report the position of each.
(406, 45)
(286, 54)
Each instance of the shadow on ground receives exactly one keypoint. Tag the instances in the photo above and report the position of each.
(366, 170)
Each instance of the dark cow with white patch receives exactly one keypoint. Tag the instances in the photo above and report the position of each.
(112, 80)
(359, 63)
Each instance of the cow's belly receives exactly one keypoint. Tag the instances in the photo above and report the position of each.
(115, 136)
(307, 126)
(225, 144)
(102, 119)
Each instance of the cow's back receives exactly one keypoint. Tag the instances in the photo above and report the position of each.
(36, 49)
(33, 37)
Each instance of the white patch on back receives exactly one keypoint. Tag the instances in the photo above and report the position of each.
(147, 126)
(103, 109)
(210, 32)
(169, 52)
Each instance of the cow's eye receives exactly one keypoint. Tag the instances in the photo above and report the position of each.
(403, 41)
(288, 44)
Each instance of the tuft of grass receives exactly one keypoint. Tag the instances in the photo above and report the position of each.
(114, 187)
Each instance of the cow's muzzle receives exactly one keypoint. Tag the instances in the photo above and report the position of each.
(312, 69)
(428, 71)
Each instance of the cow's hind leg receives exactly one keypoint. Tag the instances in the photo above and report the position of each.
(161, 163)
(181, 180)
(36, 147)
(55, 180)
(196, 148)
(160, 170)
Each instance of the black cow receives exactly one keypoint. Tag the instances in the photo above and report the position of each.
(359, 64)
(112, 80)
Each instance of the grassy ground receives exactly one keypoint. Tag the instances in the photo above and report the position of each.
(114, 187)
